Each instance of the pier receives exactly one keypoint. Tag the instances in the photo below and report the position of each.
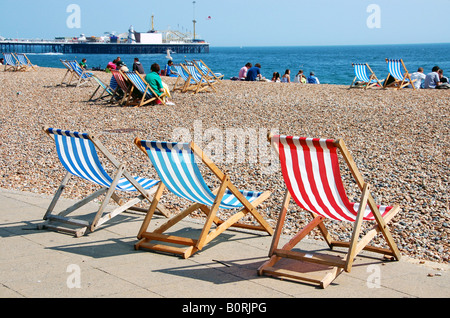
(101, 48)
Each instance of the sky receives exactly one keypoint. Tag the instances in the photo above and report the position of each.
(237, 22)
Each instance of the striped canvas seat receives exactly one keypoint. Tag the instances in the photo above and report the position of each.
(77, 153)
(147, 93)
(106, 90)
(398, 71)
(24, 61)
(311, 172)
(361, 74)
(83, 76)
(177, 168)
(207, 71)
(176, 165)
(11, 62)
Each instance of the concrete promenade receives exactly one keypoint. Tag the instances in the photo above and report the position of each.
(44, 264)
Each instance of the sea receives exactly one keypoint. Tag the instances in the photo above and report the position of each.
(331, 64)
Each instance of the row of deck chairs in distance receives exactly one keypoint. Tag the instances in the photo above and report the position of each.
(400, 79)
(195, 76)
(127, 83)
(311, 171)
(17, 62)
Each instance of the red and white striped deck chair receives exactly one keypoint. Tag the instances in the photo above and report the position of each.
(311, 172)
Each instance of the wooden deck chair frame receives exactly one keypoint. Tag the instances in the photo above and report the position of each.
(361, 75)
(139, 84)
(206, 70)
(23, 60)
(11, 62)
(69, 72)
(83, 76)
(401, 80)
(354, 246)
(184, 81)
(143, 188)
(122, 84)
(190, 246)
(203, 82)
(105, 90)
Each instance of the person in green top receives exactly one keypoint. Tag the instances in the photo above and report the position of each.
(83, 64)
(154, 80)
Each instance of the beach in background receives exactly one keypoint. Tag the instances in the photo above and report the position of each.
(399, 139)
(331, 64)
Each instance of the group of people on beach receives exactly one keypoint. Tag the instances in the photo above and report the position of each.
(153, 78)
(433, 80)
(253, 73)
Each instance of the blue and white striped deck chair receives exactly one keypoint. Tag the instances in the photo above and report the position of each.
(82, 76)
(203, 82)
(176, 165)
(184, 81)
(78, 154)
(11, 62)
(207, 71)
(148, 94)
(362, 79)
(106, 90)
(24, 61)
(398, 71)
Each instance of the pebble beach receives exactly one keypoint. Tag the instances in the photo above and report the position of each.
(398, 139)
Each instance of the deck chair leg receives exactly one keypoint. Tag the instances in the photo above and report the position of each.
(281, 218)
(202, 239)
(107, 197)
(151, 210)
(57, 194)
(357, 228)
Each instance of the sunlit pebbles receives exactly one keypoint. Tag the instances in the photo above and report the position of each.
(399, 140)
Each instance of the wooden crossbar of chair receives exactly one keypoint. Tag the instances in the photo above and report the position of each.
(152, 239)
(354, 246)
(93, 172)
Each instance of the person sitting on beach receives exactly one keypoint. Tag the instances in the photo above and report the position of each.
(154, 80)
(444, 80)
(137, 66)
(120, 65)
(432, 79)
(300, 77)
(110, 66)
(286, 78)
(254, 73)
(2, 60)
(168, 70)
(312, 79)
(276, 77)
(83, 64)
(419, 77)
(243, 71)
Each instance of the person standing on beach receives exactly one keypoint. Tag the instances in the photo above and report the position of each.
(137, 66)
(432, 79)
(243, 71)
(419, 77)
(254, 73)
(312, 79)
